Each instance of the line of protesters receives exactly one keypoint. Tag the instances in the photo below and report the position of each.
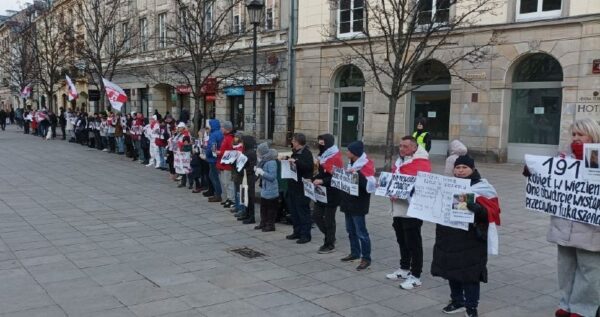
(459, 256)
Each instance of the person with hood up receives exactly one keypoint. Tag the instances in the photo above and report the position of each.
(298, 203)
(323, 215)
(355, 208)
(460, 256)
(423, 137)
(214, 143)
(266, 169)
(249, 145)
(578, 243)
(455, 149)
(225, 169)
(412, 159)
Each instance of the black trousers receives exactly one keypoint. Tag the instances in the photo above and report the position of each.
(53, 129)
(26, 127)
(324, 218)
(64, 133)
(408, 236)
(268, 212)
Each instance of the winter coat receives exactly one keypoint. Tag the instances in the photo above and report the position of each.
(226, 145)
(356, 205)
(250, 151)
(455, 149)
(214, 140)
(269, 188)
(304, 169)
(419, 162)
(460, 255)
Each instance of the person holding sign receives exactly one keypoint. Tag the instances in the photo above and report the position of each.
(412, 159)
(225, 169)
(460, 256)
(246, 213)
(298, 203)
(324, 213)
(355, 208)
(578, 243)
(266, 169)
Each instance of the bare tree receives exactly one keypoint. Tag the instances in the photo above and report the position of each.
(17, 59)
(207, 38)
(398, 35)
(51, 58)
(109, 31)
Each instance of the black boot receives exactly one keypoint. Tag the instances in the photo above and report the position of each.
(249, 220)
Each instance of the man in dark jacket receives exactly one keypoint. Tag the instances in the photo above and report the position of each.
(53, 122)
(356, 208)
(62, 121)
(3, 116)
(297, 202)
(324, 213)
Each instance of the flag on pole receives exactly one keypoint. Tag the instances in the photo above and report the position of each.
(26, 92)
(115, 94)
(72, 90)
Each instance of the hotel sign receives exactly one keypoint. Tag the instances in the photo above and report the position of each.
(588, 106)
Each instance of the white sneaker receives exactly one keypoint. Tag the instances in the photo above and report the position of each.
(411, 282)
(398, 274)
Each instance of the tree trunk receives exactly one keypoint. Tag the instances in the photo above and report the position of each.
(389, 137)
(197, 115)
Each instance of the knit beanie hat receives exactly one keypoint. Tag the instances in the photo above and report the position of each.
(262, 149)
(357, 148)
(465, 160)
(227, 125)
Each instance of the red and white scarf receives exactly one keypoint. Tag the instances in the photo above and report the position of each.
(487, 197)
(366, 167)
(330, 159)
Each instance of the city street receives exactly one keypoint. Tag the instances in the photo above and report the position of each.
(87, 233)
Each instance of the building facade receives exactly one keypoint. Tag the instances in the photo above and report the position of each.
(545, 72)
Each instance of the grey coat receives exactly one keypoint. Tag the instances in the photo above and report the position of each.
(574, 234)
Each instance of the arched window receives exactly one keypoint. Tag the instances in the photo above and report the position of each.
(350, 76)
(431, 72)
(536, 101)
(348, 104)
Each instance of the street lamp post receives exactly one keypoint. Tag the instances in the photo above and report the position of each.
(255, 8)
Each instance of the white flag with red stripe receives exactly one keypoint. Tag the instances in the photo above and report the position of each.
(72, 90)
(116, 95)
(26, 92)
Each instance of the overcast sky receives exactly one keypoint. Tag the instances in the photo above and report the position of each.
(10, 5)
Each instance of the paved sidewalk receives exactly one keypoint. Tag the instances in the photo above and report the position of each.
(86, 233)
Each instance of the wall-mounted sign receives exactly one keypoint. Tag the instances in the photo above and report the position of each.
(596, 66)
(475, 75)
(431, 114)
(234, 91)
(184, 89)
(538, 110)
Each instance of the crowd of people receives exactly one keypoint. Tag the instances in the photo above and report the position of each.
(459, 256)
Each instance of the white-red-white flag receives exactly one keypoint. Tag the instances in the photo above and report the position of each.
(26, 92)
(72, 90)
(116, 95)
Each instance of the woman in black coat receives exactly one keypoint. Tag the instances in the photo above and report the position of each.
(460, 256)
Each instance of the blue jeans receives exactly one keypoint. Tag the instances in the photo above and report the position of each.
(466, 294)
(360, 243)
(120, 144)
(161, 154)
(238, 202)
(213, 174)
(300, 213)
(137, 144)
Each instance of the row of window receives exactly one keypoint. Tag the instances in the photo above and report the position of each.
(351, 13)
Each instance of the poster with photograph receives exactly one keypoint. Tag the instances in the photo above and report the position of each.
(345, 181)
(229, 157)
(395, 185)
(241, 162)
(592, 166)
(309, 189)
(288, 170)
(557, 187)
(460, 212)
(432, 199)
(321, 193)
(181, 162)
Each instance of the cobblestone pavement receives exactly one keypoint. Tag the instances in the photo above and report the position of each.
(86, 233)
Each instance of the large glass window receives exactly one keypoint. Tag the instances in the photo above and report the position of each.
(143, 34)
(538, 9)
(433, 11)
(431, 72)
(350, 17)
(536, 101)
(162, 30)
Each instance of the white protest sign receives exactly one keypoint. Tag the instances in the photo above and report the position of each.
(309, 189)
(591, 172)
(556, 187)
(345, 181)
(395, 185)
(244, 199)
(240, 162)
(181, 162)
(288, 170)
(229, 157)
(432, 199)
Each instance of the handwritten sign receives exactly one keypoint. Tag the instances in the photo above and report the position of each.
(395, 185)
(557, 187)
(432, 199)
(181, 162)
(345, 181)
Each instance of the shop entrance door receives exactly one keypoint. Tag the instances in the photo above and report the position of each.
(434, 107)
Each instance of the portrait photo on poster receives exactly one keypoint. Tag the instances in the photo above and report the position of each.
(591, 162)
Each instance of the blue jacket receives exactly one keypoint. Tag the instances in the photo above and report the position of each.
(214, 140)
(269, 186)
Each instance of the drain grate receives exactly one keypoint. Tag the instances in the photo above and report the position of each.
(248, 253)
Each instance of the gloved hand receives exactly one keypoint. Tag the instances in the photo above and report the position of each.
(259, 171)
(479, 211)
(526, 171)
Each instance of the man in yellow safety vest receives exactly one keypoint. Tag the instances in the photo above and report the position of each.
(423, 138)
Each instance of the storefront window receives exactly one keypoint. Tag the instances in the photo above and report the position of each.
(536, 101)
